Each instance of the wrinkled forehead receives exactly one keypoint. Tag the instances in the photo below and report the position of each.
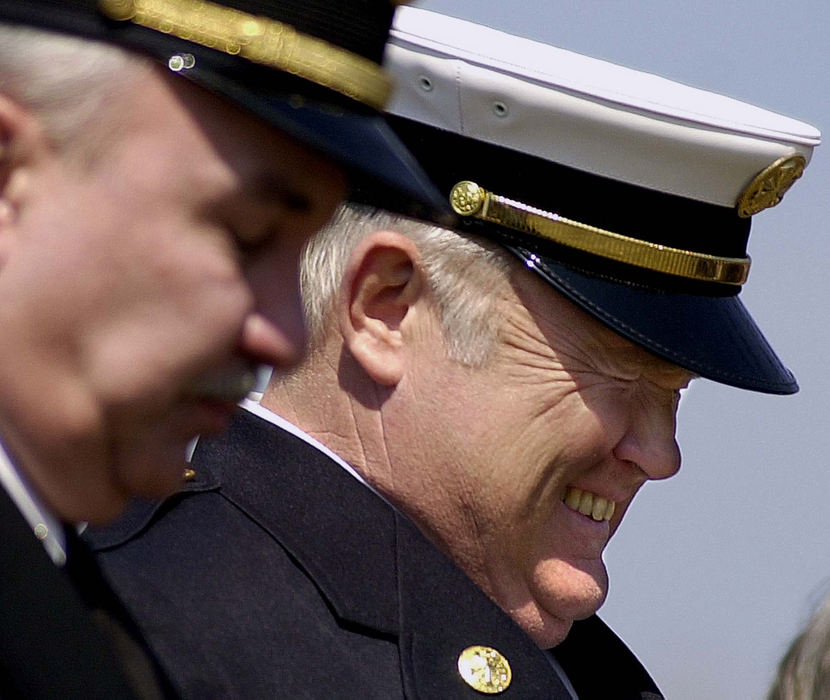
(567, 327)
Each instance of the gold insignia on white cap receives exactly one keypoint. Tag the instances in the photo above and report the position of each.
(484, 669)
(770, 185)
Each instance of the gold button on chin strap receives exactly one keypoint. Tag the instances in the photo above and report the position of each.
(469, 199)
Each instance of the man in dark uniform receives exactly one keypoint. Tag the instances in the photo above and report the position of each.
(420, 509)
(161, 164)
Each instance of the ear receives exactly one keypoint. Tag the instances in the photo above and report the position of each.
(21, 142)
(381, 295)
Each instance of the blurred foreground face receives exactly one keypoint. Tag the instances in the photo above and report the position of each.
(534, 458)
(147, 275)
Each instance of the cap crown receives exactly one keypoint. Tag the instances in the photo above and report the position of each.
(628, 193)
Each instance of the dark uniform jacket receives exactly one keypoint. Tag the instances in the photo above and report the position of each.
(276, 574)
(63, 635)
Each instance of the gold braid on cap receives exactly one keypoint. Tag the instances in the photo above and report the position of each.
(468, 199)
(261, 40)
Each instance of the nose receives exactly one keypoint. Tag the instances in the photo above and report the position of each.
(650, 443)
(274, 331)
(280, 344)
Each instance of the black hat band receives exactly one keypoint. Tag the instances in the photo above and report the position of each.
(469, 199)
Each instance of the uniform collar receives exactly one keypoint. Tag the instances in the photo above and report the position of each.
(45, 526)
(258, 409)
(372, 564)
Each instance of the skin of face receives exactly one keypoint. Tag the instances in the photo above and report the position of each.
(564, 402)
(141, 283)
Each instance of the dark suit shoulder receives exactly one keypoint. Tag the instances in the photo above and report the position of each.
(50, 646)
(225, 595)
(289, 578)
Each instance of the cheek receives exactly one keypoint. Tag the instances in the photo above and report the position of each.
(580, 431)
(273, 280)
(168, 320)
(603, 419)
(188, 269)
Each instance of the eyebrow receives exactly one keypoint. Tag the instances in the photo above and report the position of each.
(632, 356)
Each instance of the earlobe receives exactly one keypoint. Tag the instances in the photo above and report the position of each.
(381, 288)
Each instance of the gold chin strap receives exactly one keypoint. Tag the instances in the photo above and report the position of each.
(468, 199)
(261, 40)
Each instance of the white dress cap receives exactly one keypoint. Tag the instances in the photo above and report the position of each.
(583, 112)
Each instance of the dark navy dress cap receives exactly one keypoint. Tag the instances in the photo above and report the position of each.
(309, 67)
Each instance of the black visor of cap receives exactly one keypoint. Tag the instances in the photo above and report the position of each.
(712, 336)
(700, 326)
(350, 133)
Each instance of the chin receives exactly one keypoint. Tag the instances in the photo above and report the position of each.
(153, 477)
(558, 601)
(105, 509)
(548, 632)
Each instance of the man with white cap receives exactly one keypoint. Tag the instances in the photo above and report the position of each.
(420, 510)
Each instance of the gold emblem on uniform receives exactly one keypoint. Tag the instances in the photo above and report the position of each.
(770, 185)
(484, 669)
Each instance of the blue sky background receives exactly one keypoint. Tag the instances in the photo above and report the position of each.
(713, 572)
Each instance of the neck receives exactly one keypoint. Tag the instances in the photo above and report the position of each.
(331, 399)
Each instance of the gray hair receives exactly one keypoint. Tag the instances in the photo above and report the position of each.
(804, 672)
(65, 81)
(461, 272)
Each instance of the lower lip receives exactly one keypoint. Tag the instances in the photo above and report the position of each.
(587, 533)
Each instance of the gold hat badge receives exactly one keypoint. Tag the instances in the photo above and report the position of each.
(260, 40)
(484, 669)
(769, 186)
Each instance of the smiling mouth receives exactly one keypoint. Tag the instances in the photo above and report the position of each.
(589, 504)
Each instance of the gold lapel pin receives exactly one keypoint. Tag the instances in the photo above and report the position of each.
(484, 669)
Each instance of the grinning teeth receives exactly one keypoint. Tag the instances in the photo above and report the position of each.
(572, 498)
(589, 504)
(586, 503)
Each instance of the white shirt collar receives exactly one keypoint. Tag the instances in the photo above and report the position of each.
(250, 404)
(45, 526)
